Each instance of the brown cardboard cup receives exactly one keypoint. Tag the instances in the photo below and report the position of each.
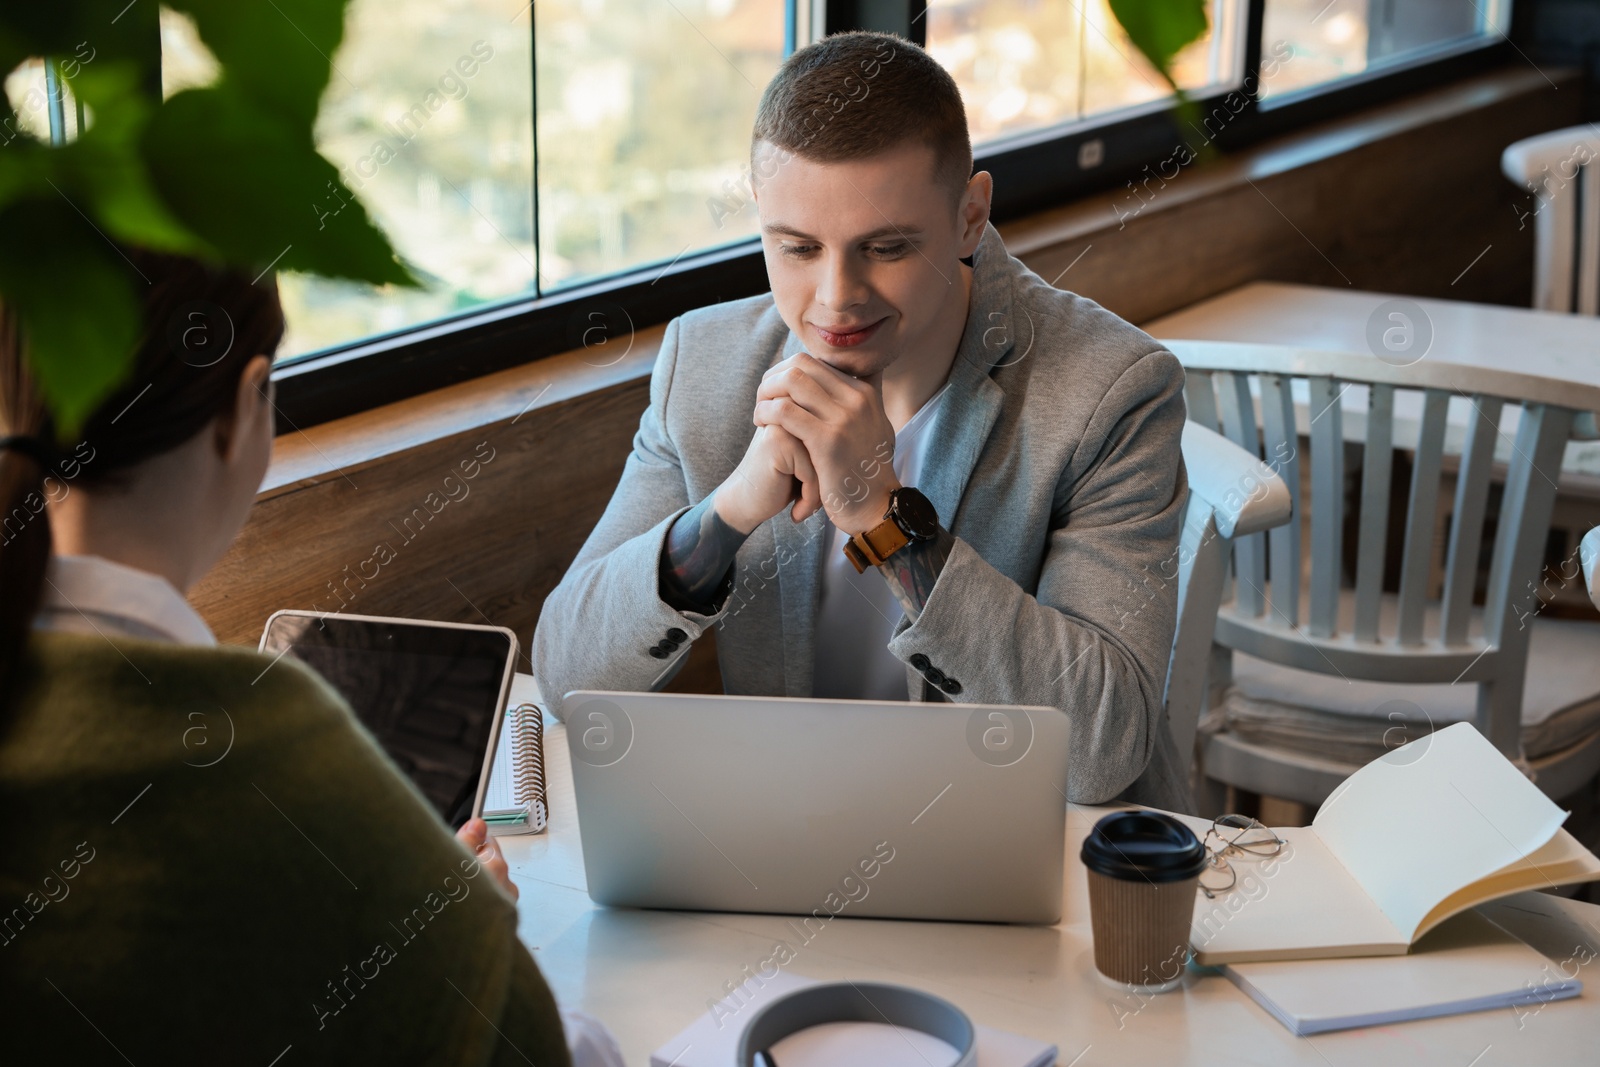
(1143, 869)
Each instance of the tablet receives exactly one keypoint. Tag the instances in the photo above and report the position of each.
(432, 693)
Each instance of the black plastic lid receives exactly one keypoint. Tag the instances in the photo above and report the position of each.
(1143, 846)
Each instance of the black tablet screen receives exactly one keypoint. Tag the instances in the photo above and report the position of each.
(429, 694)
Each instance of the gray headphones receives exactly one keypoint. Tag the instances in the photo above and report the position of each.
(857, 1002)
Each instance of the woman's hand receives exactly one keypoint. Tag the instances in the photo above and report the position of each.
(475, 835)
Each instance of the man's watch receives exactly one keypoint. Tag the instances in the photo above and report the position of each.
(909, 520)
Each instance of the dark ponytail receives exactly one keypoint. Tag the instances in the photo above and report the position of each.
(201, 326)
(25, 524)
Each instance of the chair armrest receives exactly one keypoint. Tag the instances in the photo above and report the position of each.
(1589, 554)
(1244, 493)
(1524, 161)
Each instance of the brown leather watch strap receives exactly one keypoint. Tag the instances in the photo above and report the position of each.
(872, 547)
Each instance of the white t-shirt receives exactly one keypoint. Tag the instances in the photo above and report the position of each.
(857, 614)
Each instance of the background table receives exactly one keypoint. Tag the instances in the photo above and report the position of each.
(648, 974)
(1535, 343)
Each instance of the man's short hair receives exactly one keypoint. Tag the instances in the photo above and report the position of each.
(853, 95)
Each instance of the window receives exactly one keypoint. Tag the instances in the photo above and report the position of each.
(1026, 64)
(1322, 41)
(645, 109)
(538, 163)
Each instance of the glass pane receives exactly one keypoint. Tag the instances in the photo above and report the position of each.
(1318, 41)
(429, 117)
(1026, 64)
(645, 111)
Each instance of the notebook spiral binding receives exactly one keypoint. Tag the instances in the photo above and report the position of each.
(527, 761)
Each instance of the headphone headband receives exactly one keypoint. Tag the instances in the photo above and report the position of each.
(866, 1002)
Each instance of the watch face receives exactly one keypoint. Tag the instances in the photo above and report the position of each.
(914, 514)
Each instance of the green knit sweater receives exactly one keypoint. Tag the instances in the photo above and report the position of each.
(204, 858)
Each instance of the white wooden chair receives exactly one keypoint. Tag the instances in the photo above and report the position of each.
(1232, 493)
(1562, 171)
(1322, 675)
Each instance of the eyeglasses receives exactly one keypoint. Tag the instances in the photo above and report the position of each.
(1237, 836)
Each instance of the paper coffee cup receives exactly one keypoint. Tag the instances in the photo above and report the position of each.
(1143, 868)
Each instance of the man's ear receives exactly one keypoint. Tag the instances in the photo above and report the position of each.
(974, 211)
(251, 406)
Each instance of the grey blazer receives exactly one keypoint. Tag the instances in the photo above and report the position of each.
(1054, 460)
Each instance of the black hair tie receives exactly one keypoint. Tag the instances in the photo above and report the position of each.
(42, 452)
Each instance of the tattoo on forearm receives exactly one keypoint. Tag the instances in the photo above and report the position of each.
(912, 571)
(696, 558)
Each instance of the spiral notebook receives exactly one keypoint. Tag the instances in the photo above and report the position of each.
(514, 802)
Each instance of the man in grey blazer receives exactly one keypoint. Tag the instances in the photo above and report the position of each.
(911, 400)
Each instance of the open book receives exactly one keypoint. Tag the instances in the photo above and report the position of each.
(1409, 840)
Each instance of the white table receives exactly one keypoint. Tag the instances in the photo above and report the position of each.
(1535, 343)
(648, 974)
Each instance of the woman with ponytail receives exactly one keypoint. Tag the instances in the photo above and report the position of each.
(203, 857)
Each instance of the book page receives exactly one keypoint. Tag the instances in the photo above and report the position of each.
(1300, 904)
(1431, 818)
(500, 795)
(1561, 861)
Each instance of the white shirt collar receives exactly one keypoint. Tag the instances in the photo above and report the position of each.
(89, 594)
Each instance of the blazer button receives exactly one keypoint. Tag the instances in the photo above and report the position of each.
(676, 636)
(951, 686)
(936, 676)
(658, 651)
(919, 661)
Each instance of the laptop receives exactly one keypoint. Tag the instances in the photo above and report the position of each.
(820, 808)
(433, 694)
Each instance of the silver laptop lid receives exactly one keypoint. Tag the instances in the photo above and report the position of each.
(820, 807)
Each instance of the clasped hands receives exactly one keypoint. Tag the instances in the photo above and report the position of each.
(822, 442)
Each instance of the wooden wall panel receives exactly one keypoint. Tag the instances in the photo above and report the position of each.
(493, 552)
(1401, 199)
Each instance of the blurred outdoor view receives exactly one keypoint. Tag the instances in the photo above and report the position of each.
(1023, 64)
(633, 119)
(1330, 39)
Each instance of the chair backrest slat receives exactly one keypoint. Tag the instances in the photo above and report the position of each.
(1421, 515)
(1327, 504)
(1586, 228)
(1519, 543)
(1466, 523)
(1376, 466)
(1525, 509)
(1282, 443)
(1239, 426)
(1201, 397)
(1202, 570)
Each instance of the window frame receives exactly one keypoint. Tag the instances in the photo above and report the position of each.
(1032, 172)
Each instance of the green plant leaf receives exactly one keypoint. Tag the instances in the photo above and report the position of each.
(280, 54)
(1160, 29)
(77, 299)
(253, 185)
(103, 174)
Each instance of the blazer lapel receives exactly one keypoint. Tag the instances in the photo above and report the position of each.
(972, 401)
(956, 437)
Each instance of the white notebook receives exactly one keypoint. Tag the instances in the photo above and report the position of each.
(1424, 833)
(712, 1040)
(514, 802)
(1466, 964)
